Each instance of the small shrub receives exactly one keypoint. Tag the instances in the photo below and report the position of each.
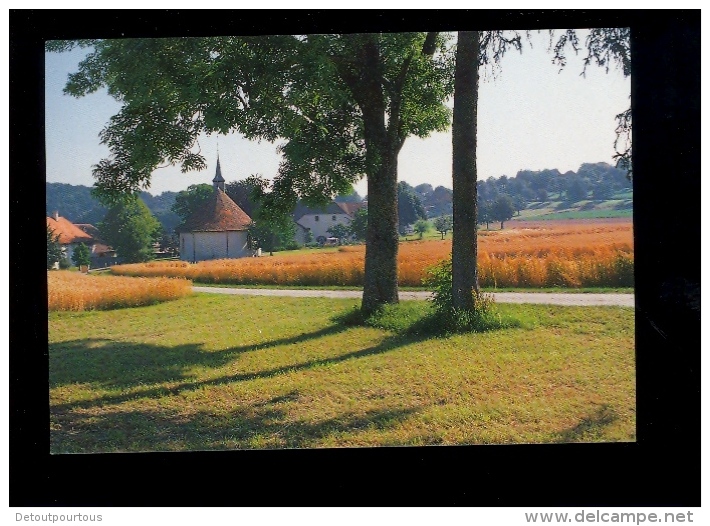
(483, 317)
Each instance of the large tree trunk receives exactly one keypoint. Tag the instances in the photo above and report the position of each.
(380, 285)
(382, 237)
(464, 245)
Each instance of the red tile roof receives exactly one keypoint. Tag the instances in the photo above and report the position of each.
(218, 214)
(68, 231)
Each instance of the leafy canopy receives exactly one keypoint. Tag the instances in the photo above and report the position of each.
(409, 206)
(304, 89)
(443, 224)
(358, 226)
(81, 255)
(190, 200)
(130, 228)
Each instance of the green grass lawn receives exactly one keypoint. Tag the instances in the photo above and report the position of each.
(213, 372)
(621, 205)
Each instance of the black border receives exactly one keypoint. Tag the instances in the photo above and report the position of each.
(662, 468)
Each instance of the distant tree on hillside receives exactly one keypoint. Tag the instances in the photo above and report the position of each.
(443, 224)
(54, 249)
(423, 189)
(541, 194)
(502, 209)
(439, 202)
(602, 192)
(486, 190)
(485, 213)
(409, 206)
(74, 202)
(519, 203)
(577, 189)
(421, 227)
(131, 229)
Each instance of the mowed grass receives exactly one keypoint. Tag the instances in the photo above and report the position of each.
(211, 372)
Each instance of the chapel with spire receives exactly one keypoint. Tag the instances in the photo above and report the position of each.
(218, 229)
(218, 181)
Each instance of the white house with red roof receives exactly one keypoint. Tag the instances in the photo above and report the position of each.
(70, 236)
(217, 230)
(320, 220)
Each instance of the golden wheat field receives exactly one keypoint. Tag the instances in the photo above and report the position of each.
(527, 254)
(74, 291)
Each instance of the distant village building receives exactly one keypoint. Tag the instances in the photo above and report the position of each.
(102, 255)
(72, 235)
(319, 220)
(218, 230)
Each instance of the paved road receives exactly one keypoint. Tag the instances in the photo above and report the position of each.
(623, 300)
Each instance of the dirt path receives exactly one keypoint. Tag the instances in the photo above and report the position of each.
(622, 300)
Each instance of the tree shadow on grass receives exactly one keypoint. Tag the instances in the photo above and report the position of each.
(262, 425)
(591, 428)
(124, 365)
(127, 364)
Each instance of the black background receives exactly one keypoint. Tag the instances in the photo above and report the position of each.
(661, 468)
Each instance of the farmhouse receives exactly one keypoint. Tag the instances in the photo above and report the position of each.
(319, 220)
(217, 230)
(70, 236)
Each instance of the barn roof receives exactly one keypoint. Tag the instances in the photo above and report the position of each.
(350, 208)
(68, 231)
(331, 208)
(218, 214)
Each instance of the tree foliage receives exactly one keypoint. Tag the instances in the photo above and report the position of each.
(443, 224)
(576, 189)
(241, 192)
(358, 226)
(130, 228)
(349, 197)
(485, 213)
(339, 230)
(421, 227)
(344, 104)
(409, 206)
(190, 200)
(81, 256)
(502, 209)
(54, 249)
(272, 228)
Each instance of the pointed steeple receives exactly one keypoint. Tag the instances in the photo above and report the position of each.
(218, 181)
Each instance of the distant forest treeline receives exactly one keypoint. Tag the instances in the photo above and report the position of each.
(592, 181)
(78, 205)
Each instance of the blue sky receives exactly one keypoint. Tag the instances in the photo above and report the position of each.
(531, 116)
